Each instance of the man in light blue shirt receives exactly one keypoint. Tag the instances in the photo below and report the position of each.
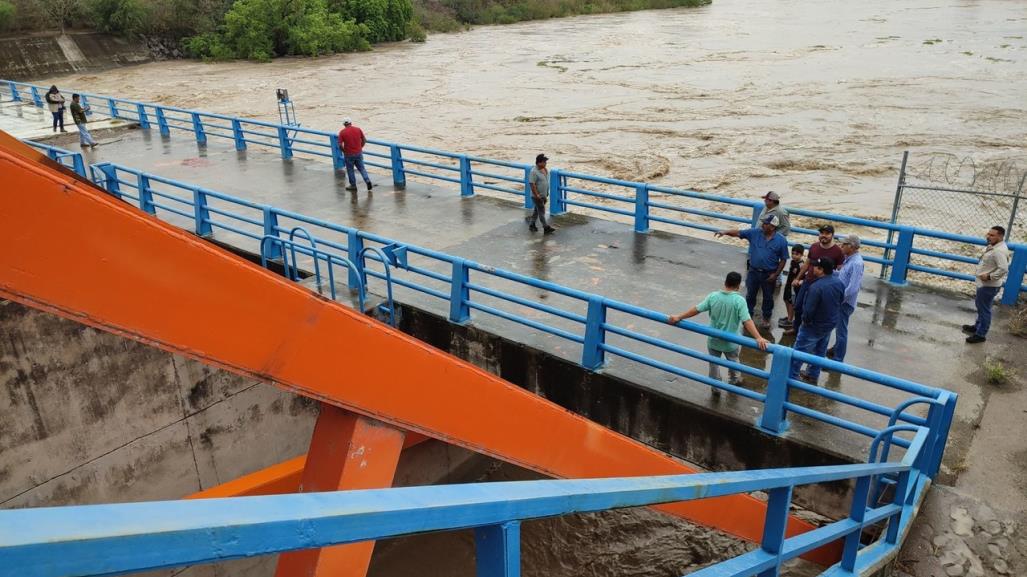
(851, 276)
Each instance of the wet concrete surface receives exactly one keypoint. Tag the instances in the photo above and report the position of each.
(910, 332)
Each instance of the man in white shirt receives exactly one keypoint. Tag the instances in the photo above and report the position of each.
(991, 269)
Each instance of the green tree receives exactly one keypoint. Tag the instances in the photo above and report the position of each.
(386, 20)
(8, 12)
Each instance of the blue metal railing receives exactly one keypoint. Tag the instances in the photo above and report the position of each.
(116, 539)
(465, 287)
(66, 158)
(641, 202)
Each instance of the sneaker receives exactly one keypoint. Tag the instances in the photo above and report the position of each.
(548, 230)
(974, 339)
(784, 323)
(369, 186)
(969, 329)
(352, 188)
(532, 228)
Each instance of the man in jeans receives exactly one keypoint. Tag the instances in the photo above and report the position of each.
(352, 141)
(538, 180)
(728, 312)
(768, 253)
(851, 276)
(991, 269)
(78, 114)
(824, 297)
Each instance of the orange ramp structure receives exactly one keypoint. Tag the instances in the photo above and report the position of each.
(73, 250)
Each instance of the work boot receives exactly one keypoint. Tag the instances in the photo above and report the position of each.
(548, 230)
(369, 186)
(532, 227)
(974, 339)
(969, 329)
(352, 188)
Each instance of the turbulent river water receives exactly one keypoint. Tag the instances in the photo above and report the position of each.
(815, 99)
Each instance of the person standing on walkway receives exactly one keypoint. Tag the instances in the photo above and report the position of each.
(538, 180)
(78, 114)
(728, 312)
(824, 297)
(352, 141)
(772, 207)
(991, 269)
(824, 247)
(794, 266)
(55, 102)
(851, 276)
(768, 253)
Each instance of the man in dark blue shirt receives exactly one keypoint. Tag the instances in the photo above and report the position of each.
(768, 253)
(820, 311)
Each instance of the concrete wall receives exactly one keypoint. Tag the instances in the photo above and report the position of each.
(32, 56)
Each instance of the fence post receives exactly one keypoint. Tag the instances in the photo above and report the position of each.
(557, 195)
(85, 105)
(111, 183)
(36, 99)
(903, 254)
(80, 165)
(642, 208)
(948, 413)
(274, 249)
(200, 212)
(498, 550)
(201, 136)
(774, 412)
(528, 201)
(355, 249)
(283, 143)
(113, 107)
(592, 354)
(1015, 276)
(338, 160)
(399, 174)
(14, 91)
(858, 514)
(466, 178)
(240, 138)
(757, 210)
(162, 122)
(145, 195)
(144, 121)
(775, 525)
(896, 204)
(459, 293)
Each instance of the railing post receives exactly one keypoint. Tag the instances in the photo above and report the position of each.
(355, 249)
(466, 178)
(284, 143)
(774, 527)
(85, 105)
(902, 487)
(201, 136)
(201, 213)
(240, 138)
(642, 208)
(757, 210)
(528, 201)
(1015, 276)
(857, 514)
(145, 195)
(903, 254)
(36, 99)
(593, 355)
(144, 121)
(14, 91)
(498, 550)
(113, 107)
(459, 293)
(399, 174)
(111, 183)
(774, 412)
(162, 122)
(338, 160)
(948, 413)
(557, 194)
(79, 164)
(274, 249)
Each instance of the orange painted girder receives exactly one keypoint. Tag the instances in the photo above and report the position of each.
(73, 250)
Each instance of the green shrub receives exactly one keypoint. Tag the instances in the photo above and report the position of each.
(8, 12)
(386, 20)
(120, 16)
(416, 32)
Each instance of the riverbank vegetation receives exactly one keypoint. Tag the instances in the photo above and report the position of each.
(264, 29)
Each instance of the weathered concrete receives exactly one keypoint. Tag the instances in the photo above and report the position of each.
(27, 56)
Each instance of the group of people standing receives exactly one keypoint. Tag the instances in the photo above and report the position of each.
(55, 102)
(820, 292)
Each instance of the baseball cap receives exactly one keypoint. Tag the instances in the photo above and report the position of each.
(772, 220)
(771, 195)
(852, 240)
(826, 263)
(826, 228)
(347, 120)
(541, 158)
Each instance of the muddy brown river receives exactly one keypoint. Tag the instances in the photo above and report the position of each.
(815, 99)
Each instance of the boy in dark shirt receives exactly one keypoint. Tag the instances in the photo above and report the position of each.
(793, 273)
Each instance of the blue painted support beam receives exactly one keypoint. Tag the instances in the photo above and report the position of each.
(201, 134)
(498, 550)
(36, 98)
(775, 526)
(528, 201)
(774, 414)
(757, 209)
(237, 134)
(273, 250)
(284, 142)
(145, 195)
(557, 194)
(84, 101)
(466, 177)
(355, 250)
(338, 159)
(15, 95)
(1015, 278)
(111, 539)
(592, 354)
(144, 120)
(903, 253)
(110, 174)
(112, 106)
(162, 122)
(459, 292)
(642, 208)
(399, 174)
(201, 214)
(857, 514)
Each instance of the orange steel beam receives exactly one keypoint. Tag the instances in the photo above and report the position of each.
(347, 452)
(278, 479)
(75, 251)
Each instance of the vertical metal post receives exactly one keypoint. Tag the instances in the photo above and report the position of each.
(162, 122)
(857, 514)
(1015, 276)
(903, 254)
(528, 201)
(145, 195)
(144, 121)
(774, 412)
(557, 194)
(14, 91)
(896, 204)
(757, 210)
(201, 213)
(85, 105)
(338, 160)
(237, 134)
(592, 354)
(79, 164)
(947, 414)
(498, 550)
(111, 182)
(642, 208)
(284, 143)
(466, 178)
(274, 249)
(774, 527)
(36, 99)
(355, 251)
(201, 135)
(399, 174)
(1016, 208)
(901, 490)
(113, 107)
(459, 293)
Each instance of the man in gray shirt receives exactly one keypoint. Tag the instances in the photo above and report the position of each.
(991, 269)
(538, 180)
(772, 206)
